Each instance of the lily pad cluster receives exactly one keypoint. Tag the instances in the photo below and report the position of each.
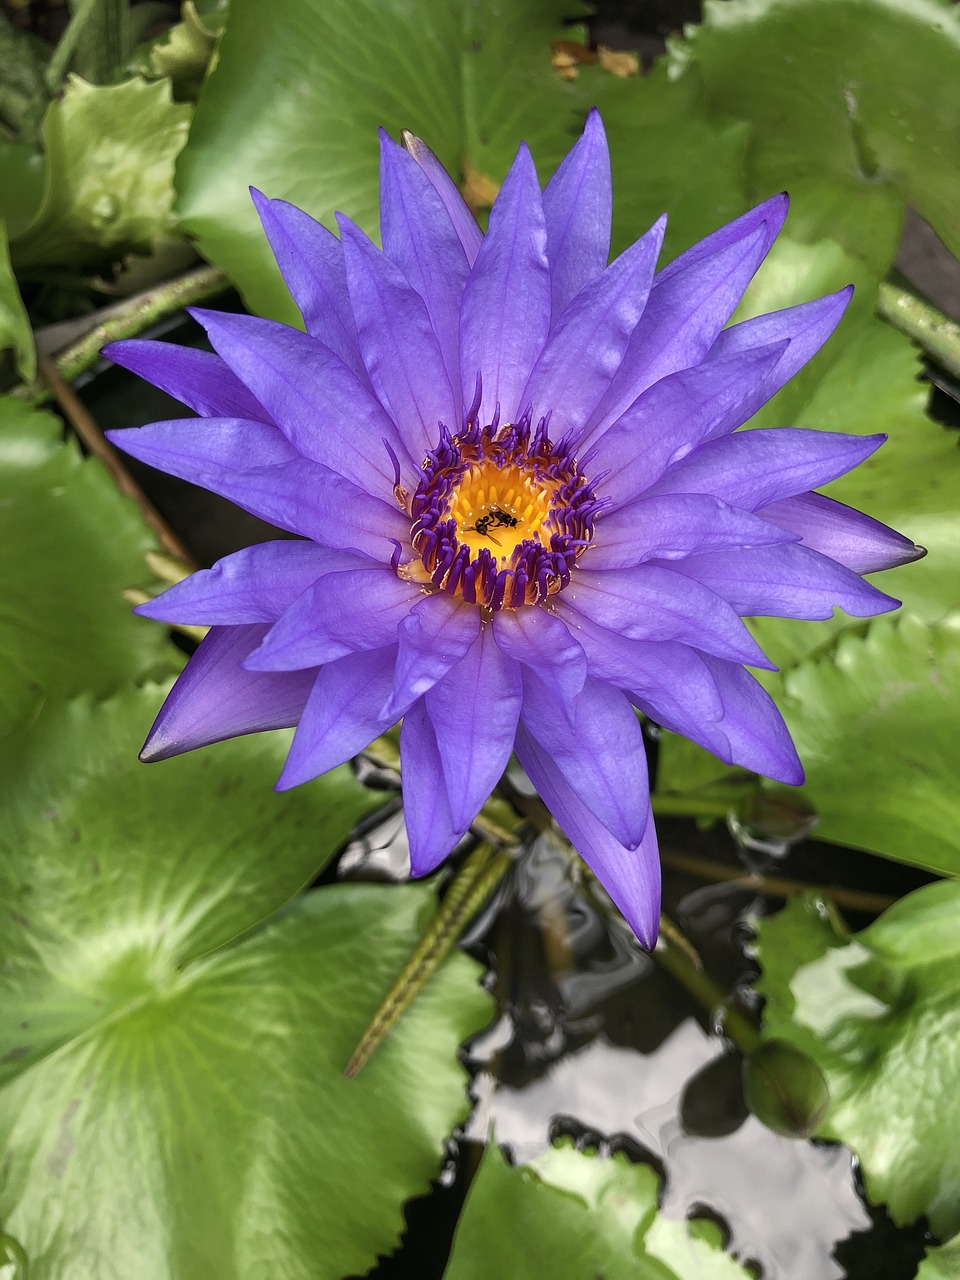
(180, 995)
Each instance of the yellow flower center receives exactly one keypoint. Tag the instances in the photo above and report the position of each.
(498, 508)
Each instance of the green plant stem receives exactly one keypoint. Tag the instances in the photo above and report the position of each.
(469, 890)
(936, 334)
(127, 322)
(62, 55)
(736, 1024)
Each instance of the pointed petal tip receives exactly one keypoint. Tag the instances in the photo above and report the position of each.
(156, 748)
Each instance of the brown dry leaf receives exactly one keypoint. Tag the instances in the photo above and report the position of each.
(619, 62)
(567, 57)
(479, 190)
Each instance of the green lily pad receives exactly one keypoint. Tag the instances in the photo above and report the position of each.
(299, 91)
(875, 722)
(71, 544)
(942, 1262)
(15, 332)
(879, 1013)
(574, 1213)
(861, 98)
(117, 872)
(110, 151)
(175, 1106)
(651, 121)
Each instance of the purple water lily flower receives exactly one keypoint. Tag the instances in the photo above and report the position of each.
(525, 507)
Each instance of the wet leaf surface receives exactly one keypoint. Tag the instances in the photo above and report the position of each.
(878, 1011)
(575, 1213)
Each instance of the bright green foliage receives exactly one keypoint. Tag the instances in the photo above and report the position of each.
(182, 54)
(109, 175)
(852, 100)
(669, 156)
(70, 546)
(879, 1012)
(116, 872)
(294, 105)
(875, 723)
(942, 1263)
(573, 1213)
(14, 323)
(174, 1059)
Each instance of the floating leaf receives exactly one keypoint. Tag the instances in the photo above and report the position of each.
(573, 1213)
(875, 723)
(942, 1263)
(879, 1012)
(859, 101)
(175, 1106)
(71, 544)
(110, 151)
(650, 124)
(299, 91)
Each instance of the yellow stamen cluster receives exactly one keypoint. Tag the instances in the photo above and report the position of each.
(497, 509)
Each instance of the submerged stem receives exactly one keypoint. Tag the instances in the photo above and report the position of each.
(469, 890)
(737, 1026)
(774, 886)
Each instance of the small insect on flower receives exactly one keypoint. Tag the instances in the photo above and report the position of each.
(524, 505)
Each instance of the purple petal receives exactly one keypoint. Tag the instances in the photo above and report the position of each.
(540, 640)
(577, 207)
(256, 584)
(400, 349)
(215, 697)
(431, 832)
(805, 328)
(671, 418)
(673, 526)
(474, 711)
(198, 379)
(255, 466)
(419, 237)
(357, 609)
(788, 581)
(845, 535)
(752, 468)
(316, 401)
(342, 716)
(602, 756)
(691, 300)
(587, 343)
(751, 732)
(631, 877)
(506, 303)
(669, 682)
(462, 220)
(311, 263)
(652, 602)
(434, 636)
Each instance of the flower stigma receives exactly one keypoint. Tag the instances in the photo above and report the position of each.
(500, 516)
